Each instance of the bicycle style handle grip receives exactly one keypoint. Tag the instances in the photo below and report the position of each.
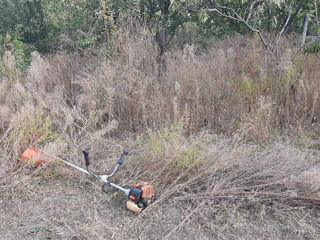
(86, 157)
(123, 156)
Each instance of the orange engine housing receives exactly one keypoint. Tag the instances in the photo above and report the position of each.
(31, 154)
(147, 189)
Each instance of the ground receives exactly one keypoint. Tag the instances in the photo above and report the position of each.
(56, 202)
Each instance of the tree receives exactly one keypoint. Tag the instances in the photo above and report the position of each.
(25, 21)
(164, 17)
(258, 16)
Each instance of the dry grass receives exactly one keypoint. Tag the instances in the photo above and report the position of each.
(240, 191)
(209, 186)
(233, 88)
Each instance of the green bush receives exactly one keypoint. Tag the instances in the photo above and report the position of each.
(171, 144)
(33, 128)
(313, 47)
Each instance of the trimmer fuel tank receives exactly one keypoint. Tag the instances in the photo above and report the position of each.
(132, 206)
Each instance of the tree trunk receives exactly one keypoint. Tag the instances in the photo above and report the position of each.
(304, 29)
(316, 10)
(292, 18)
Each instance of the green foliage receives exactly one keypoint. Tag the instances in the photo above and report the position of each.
(163, 14)
(161, 143)
(313, 47)
(49, 25)
(32, 129)
(248, 87)
(171, 144)
(188, 158)
(25, 20)
(74, 24)
(21, 51)
(266, 15)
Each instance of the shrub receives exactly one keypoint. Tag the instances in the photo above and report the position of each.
(313, 47)
(31, 127)
(169, 154)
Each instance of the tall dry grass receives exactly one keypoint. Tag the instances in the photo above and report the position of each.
(233, 88)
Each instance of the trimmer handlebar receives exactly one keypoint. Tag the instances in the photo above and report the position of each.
(86, 157)
(123, 156)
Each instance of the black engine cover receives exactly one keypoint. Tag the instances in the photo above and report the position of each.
(136, 193)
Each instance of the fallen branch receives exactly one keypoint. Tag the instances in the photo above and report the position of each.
(312, 37)
(237, 194)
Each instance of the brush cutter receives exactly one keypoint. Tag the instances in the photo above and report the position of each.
(141, 195)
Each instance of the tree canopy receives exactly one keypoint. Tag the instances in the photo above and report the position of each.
(50, 25)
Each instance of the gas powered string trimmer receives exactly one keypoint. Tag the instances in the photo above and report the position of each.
(141, 195)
